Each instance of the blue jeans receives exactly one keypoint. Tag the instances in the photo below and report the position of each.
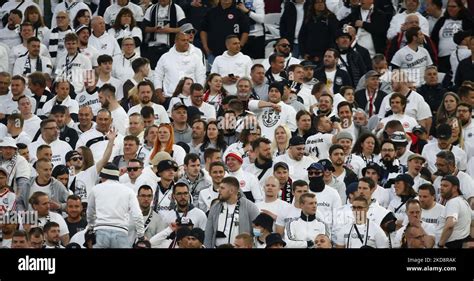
(107, 238)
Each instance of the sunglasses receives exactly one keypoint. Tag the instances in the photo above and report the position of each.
(129, 169)
(190, 32)
(76, 158)
(285, 45)
(358, 207)
(315, 173)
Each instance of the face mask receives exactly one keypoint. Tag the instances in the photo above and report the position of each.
(257, 232)
(316, 184)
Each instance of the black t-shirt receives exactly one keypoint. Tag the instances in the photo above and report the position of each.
(76, 226)
(220, 23)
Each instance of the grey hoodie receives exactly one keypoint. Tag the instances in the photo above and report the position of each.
(58, 193)
(248, 211)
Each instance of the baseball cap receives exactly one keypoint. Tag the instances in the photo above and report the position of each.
(71, 154)
(327, 164)
(179, 105)
(372, 73)
(341, 33)
(416, 156)
(444, 131)
(374, 166)
(406, 178)
(452, 179)
(418, 128)
(280, 165)
(297, 140)
(187, 27)
(316, 166)
(308, 64)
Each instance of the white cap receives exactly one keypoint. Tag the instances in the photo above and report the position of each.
(8, 142)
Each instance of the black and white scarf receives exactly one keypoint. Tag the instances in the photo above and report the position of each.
(27, 67)
(170, 19)
(54, 41)
(10, 167)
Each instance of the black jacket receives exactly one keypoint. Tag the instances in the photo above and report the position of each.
(362, 101)
(395, 44)
(355, 65)
(340, 79)
(433, 95)
(377, 27)
(317, 35)
(464, 72)
(288, 21)
(364, 53)
(350, 177)
(467, 24)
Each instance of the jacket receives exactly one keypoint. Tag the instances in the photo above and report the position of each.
(364, 53)
(248, 211)
(317, 35)
(342, 78)
(355, 65)
(58, 193)
(433, 95)
(377, 26)
(195, 187)
(361, 99)
(396, 43)
(301, 233)
(464, 72)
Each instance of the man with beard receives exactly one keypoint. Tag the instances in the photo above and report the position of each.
(276, 70)
(67, 134)
(184, 207)
(206, 196)
(232, 215)
(341, 172)
(283, 47)
(431, 211)
(318, 144)
(330, 74)
(229, 125)
(444, 134)
(350, 60)
(32, 61)
(458, 214)
(193, 176)
(51, 237)
(328, 198)
(296, 159)
(446, 165)
(259, 82)
(109, 101)
(389, 163)
(75, 221)
(261, 168)
(83, 33)
(281, 173)
(325, 106)
(249, 184)
(304, 123)
(463, 113)
(197, 136)
(296, 75)
(145, 92)
(415, 164)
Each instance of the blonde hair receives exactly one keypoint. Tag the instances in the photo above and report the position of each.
(274, 145)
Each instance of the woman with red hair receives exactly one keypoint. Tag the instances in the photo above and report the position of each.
(165, 142)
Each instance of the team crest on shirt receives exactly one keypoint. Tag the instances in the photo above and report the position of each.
(406, 125)
(469, 135)
(338, 81)
(409, 57)
(5, 200)
(230, 16)
(242, 184)
(104, 46)
(82, 99)
(270, 118)
(67, 139)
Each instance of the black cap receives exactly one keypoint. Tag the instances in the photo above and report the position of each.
(280, 165)
(341, 33)
(198, 234)
(297, 140)
(351, 188)
(453, 180)
(418, 128)
(443, 131)
(274, 238)
(406, 178)
(182, 232)
(71, 154)
(308, 63)
(193, 111)
(89, 235)
(179, 105)
(461, 35)
(327, 164)
(374, 166)
(167, 164)
(265, 221)
(278, 86)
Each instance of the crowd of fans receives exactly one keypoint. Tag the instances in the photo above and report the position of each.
(163, 124)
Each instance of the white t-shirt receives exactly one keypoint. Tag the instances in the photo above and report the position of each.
(32, 125)
(57, 218)
(416, 106)
(330, 76)
(318, 145)
(58, 147)
(446, 43)
(248, 182)
(35, 187)
(328, 201)
(76, 67)
(105, 44)
(278, 207)
(87, 99)
(163, 19)
(413, 62)
(466, 183)
(435, 217)
(269, 119)
(431, 149)
(160, 113)
(227, 221)
(112, 11)
(408, 122)
(85, 181)
(297, 169)
(120, 120)
(459, 209)
(116, 83)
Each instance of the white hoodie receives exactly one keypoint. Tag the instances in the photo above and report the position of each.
(239, 65)
(175, 65)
